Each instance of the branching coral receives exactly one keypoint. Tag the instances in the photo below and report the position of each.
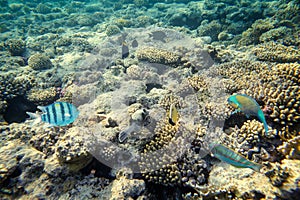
(291, 148)
(160, 56)
(274, 52)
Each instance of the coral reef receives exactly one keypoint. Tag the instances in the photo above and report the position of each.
(160, 56)
(276, 53)
(39, 62)
(71, 151)
(16, 47)
(43, 97)
(72, 51)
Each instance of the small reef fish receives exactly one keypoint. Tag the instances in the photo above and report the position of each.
(125, 50)
(173, 115)
(56, 114)
(123, 135)
(229, 156)
(248, 106)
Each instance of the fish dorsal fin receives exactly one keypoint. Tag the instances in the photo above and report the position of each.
(42, 108)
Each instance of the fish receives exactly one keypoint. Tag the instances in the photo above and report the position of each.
(123, 135)
(227, 155)
(173, 115)
(248, 105)
(56, 114)
(134, 43)
(125, 50)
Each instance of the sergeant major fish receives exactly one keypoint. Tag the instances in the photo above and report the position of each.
(56, 114)
(248, 106)
(229, 156)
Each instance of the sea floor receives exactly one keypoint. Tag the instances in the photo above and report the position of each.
(151, 81)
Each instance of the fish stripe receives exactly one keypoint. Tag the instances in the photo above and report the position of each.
(47, 119)
(62, 109)
(43, 117)
(58, 112)
(54, 113)
(69, 110)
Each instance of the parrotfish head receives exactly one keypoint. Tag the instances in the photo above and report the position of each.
(232, 101)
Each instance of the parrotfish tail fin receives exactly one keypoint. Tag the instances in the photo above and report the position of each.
(256, 167)
(266, 127)
(262, 118)
(35, 117)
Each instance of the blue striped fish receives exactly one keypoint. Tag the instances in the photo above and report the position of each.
(56, 114)
(229, 156)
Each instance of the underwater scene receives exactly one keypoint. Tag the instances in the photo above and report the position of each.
(150, 99)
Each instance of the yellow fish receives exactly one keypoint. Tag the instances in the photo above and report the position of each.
(173, 115)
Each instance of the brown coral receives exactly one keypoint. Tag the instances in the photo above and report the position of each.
(160, 56)
(274, 52)
(71, 151)
(280, 94)
(291, 148)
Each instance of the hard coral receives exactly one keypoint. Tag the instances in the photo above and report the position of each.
(160, 56)
(16, 47)
(252, 35)
(13, 84)
(274, 52)
(171, 159)
(43, 97)
(71, 151)
(39, 62)
(291, 148)
(280, 91)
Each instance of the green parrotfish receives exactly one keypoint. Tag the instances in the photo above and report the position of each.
(247, 105)
(229, 156)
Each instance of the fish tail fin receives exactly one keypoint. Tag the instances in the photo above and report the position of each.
(262, 118)
(266, 127)
(35, 117)
(256, 167)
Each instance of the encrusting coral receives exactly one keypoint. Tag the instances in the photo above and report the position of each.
(71, 151)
